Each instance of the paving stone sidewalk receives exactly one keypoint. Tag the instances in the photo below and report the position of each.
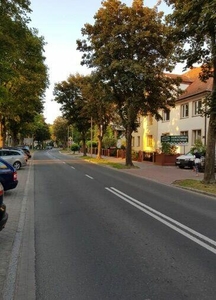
(162, 174)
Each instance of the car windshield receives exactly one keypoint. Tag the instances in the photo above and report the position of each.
(189, 154)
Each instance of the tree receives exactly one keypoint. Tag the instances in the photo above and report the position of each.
(69, 95)
(23, 73)
(130, 51)
(96, 97)
(41, 130)
(60, 130)
(194, 24)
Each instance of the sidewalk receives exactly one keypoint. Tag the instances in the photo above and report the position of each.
(162, 174)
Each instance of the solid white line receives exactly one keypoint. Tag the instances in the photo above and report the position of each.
(154, 214)
(89, 176)
(72, 168)
(9, 287)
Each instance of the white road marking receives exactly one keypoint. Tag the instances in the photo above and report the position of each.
(186, 231)
(89, 176)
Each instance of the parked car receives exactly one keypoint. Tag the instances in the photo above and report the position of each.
(25, 149)
(3, 213)
(14, 157)
(8, 175)
(186, 160)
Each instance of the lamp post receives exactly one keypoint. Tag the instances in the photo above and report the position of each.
(91, 136)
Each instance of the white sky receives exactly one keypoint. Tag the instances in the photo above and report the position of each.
(60, 23)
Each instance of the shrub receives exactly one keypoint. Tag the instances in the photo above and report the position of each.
(168, 148)
(75, 147)
(198, 145)
(94, 144)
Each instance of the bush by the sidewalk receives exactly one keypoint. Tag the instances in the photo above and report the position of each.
(75, 147)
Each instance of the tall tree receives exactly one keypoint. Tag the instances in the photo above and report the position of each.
(194, 24)
(60, 131)
(129, 48)
(69, 95)
(23, 73)
(98, 105)
(41, 130)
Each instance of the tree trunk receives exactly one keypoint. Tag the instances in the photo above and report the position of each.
(99, 146)
(209, 174)
(128, 158)
(3, 131)
(84, 147)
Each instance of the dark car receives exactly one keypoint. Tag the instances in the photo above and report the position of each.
(26, 151)
(3, 214)
(8, 175)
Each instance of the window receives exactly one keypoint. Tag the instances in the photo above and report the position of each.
(2, 166)
(138, 141)
(132, 141)
(149, 141)
(184, 133)
(150, 119)
(184, 110)
(196, 135)
(197, 106)
(166, 115)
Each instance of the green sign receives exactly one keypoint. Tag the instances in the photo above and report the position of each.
(174, 139)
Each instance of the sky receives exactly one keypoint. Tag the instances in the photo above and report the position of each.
(60, 23)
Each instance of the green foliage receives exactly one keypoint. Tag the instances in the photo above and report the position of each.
(23, 73)
(193, 24)
(93, 143)
(135, 155)
(41, 129)
(75, 147)
(60, 130)
(168, 148)
(109, 142)
(128, 49)
(198, 145)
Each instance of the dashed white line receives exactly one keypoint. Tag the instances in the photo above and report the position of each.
(89, 176)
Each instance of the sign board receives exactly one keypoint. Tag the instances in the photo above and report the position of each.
(174, 139)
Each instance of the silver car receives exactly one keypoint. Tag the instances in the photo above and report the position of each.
(14, 157)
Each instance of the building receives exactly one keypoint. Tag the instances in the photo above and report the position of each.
(184, 119)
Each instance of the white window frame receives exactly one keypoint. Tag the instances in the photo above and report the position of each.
(185, 110)
(196, 134)
(197, 105)
(166, 116)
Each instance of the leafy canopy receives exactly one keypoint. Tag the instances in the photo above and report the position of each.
(130, 50)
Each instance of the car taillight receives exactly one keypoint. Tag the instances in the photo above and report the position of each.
(1, 190)
(15, 176)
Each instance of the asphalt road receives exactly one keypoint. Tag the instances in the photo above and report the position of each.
(98, 233)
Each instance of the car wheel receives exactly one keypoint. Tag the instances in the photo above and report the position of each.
(17, 165)
(181, 167)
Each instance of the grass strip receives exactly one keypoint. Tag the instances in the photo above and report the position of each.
(196, 185)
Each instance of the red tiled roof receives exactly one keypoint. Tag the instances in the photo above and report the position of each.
(197, 86)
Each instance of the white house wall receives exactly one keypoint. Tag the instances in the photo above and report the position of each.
(174, 126)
